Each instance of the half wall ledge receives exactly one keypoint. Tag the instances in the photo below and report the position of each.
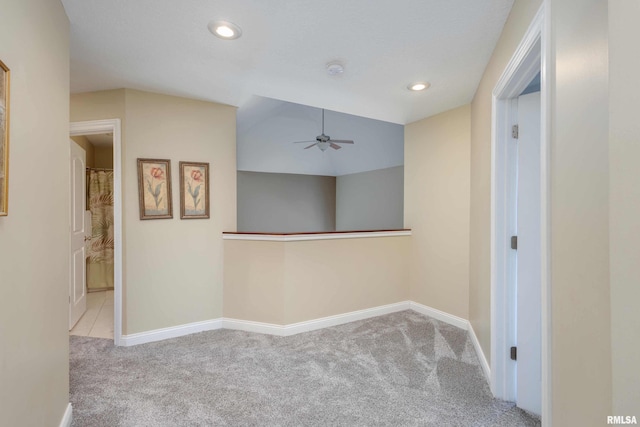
(326, 235)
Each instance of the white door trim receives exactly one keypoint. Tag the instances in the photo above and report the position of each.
(111, 126)
(531, 56)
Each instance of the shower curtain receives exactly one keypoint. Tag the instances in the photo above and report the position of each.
(100, 248)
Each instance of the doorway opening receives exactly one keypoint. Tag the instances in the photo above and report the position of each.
(520, 367)
(102, 315)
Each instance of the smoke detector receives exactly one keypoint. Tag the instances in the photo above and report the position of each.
(335, 68)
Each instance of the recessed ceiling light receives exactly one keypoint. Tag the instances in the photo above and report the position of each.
(225, 30)
(418, 86)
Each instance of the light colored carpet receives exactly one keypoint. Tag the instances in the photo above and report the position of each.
(402, 369)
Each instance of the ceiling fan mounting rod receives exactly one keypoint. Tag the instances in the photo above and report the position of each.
(323, 137)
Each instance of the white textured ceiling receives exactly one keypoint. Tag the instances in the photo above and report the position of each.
(165, 46)
(267, 129)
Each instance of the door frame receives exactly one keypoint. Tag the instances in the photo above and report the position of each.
(111, 126)
(531, 56)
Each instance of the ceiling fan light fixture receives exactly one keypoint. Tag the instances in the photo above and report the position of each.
(225, 30)
(323, 145)
(418, 86)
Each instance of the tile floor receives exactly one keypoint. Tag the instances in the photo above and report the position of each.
(97, 321)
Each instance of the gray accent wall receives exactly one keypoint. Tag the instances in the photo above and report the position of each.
(285, 203)
(371, 200)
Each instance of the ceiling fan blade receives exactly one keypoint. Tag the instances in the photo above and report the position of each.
(334, 146)
(300, 142)
(312, 145)
(342, 141)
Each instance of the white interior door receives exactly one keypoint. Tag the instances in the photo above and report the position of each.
(78, 229)
(529, 341)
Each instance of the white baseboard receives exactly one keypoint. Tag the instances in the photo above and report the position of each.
(292, 329)
(171, 332)
(460, 323)
(296, 328)
(251, 326)
(312, 325)
(481, 357)
(67, 417)
(439, 315)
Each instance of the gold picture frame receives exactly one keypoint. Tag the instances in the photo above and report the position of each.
(4, 139)
(154, 188)
(194, 190)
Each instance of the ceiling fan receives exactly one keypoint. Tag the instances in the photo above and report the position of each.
(324, 141)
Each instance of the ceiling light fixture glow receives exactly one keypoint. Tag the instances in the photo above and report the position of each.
(225, 30)
(418, 86)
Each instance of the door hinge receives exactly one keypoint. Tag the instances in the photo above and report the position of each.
(514, 353)
(514, 131)
(514, 242)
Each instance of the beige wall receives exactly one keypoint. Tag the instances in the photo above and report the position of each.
(519, 19)
(97, 157)
(254, 281)
(290, 282)
(624, 197)
(436, 198)
(106, 104)
(86, 145)
(173, 267)
(34, 241)
(328, 277)
(579, 170)
(103, 157)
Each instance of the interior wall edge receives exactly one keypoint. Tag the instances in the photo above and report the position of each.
(479, 298)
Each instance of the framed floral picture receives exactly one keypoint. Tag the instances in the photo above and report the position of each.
(154, 188)
(4, 139)
(194, 190)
